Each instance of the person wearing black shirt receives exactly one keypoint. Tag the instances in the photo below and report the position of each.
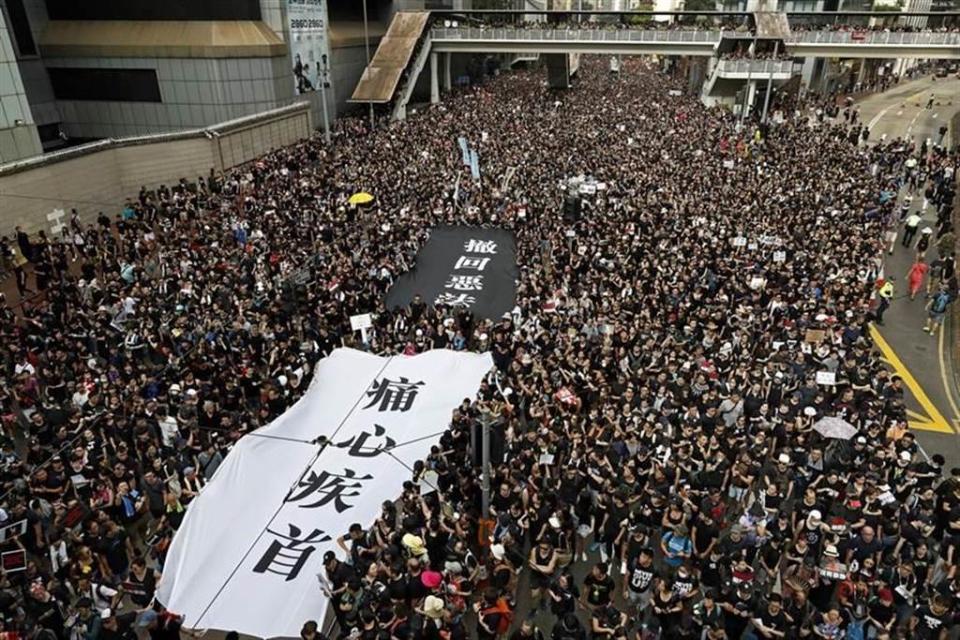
(639, 581)
(141, 583)
(606, 621)
(738, 607)
(563, 594)
(685, 585)
(667, 608)
(568, 628)
(598, 586)
(881, 614)
(707, 614)
(770, 622)
(527, 631)
(931, 621)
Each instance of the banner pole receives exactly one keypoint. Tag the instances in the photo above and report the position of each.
(485, 461)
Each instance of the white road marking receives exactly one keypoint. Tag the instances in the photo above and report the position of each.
(877, 117)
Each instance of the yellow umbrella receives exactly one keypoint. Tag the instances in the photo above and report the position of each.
(361, 198)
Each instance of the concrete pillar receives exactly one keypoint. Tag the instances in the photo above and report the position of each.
(558, 70)
(447, 80)
(862, 72)
(434, 80)
(751, 95)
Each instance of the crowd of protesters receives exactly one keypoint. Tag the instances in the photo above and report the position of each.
(658, 472)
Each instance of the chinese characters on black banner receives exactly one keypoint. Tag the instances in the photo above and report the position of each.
(467, 274)
(465, 268)
(288, 552)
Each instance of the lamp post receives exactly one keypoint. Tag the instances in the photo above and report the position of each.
(366, 44)
(766, 98)
(324, 83)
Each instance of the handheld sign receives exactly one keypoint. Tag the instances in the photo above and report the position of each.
(361, 323)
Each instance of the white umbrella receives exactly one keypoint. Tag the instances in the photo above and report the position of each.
(833, 427)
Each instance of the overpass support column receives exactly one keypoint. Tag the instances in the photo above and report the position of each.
(751, 95)
(434, 80)
(447, 83)
(558, 70)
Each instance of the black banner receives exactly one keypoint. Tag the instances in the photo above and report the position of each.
(465, 267)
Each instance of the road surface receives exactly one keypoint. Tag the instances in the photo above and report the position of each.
(923, 361)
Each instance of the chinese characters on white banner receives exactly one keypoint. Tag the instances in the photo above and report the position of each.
(249, 550)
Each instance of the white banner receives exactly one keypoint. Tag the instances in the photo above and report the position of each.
(247, 555)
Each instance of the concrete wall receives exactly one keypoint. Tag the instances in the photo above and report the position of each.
(347, 65)
(196, 93)
(100, 176)
(18, 132)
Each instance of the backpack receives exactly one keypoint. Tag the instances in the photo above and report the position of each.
(940, 303)
(506, 615)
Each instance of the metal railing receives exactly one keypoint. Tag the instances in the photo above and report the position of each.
(755, 66)
(583, 35)
(874, 38)
(689, 36)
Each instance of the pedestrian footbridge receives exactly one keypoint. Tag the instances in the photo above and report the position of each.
(826, 44)
(420, 39)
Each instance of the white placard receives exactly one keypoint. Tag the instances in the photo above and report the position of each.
(247, 554)
(826, 377)
(779, 256)
(16, 529)
(361, 323)
(739, 241)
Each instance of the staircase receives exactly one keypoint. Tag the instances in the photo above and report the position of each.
(379, 81)
(406, 91)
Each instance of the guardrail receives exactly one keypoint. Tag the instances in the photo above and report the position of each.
(586, 35)
(755, 66)
(880, 38)
(874, 38)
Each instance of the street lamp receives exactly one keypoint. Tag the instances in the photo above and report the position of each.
(366, 44)
(322, 79)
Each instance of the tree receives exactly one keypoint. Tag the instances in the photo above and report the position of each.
(698, 5)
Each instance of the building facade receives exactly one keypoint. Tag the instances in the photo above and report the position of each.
(75, 71)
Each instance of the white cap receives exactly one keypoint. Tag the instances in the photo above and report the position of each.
(498, 551)
(784, 458)
(906, 455)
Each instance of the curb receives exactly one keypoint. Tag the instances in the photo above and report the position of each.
(954, 321)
